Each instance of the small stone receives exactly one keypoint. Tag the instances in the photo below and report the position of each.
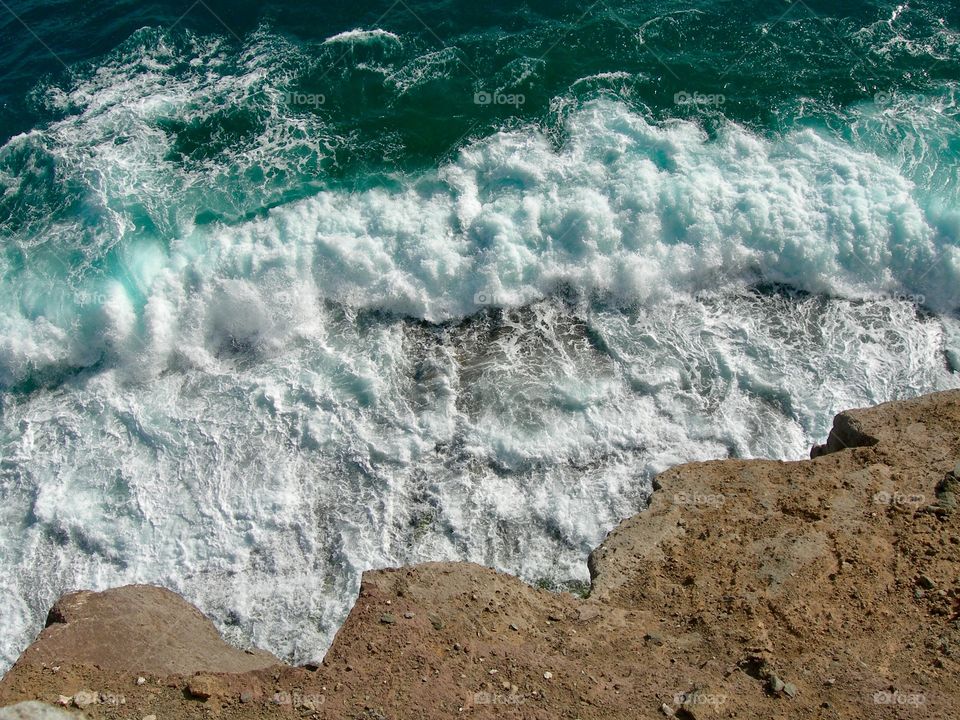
(667, 710)
(457, 647)
(547, 675)
(408, 615)
(387, 619)
(436, 622)
(64, 700)
(203, 687)
(926, 583)
(790, 689)
(554, 617)
(775, 684)
(141, 681)
(505, 685)
(655, 639)
(246, 696)
(514, 627)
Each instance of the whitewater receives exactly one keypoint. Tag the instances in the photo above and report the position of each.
(250, 387)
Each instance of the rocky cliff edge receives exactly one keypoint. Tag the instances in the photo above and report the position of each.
(825, 588)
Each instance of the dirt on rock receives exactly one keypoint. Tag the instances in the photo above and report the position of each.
(825, 588)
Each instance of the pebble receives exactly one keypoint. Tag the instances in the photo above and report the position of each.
(387, 619)
(408, 615)
(141, 681)
(790, 689)
(926, 583)
(514, 627)
(667, 710)
(775, 684)
(203, 687)
(547, 675)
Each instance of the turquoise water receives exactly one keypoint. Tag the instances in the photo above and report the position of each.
(288, 292)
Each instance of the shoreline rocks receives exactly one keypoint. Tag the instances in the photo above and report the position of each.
(825, 588)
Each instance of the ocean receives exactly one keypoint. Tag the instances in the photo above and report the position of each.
(291, 290)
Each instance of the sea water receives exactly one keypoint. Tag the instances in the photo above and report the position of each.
(289, 291)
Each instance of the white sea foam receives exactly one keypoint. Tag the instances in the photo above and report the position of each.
(625, 208)
(363, 36)
(260, 484)
(238, 409)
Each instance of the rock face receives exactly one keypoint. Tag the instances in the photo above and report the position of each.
(140, 629)
(827, 588)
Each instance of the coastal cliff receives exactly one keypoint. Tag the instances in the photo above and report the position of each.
(825, 588)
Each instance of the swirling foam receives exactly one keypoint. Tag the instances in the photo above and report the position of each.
(300, 423)
(624, 209)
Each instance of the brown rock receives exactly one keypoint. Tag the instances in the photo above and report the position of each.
(204, 687)
(136, 628)
(798, 572)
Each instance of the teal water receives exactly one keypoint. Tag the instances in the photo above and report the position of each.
(290, 291)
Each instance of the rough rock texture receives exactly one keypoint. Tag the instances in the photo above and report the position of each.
(827, 588)
(137, 628)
